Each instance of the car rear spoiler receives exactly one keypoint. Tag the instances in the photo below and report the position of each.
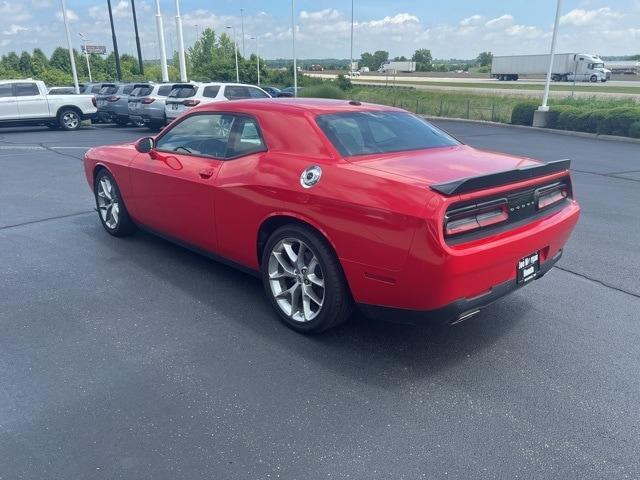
(469, 184)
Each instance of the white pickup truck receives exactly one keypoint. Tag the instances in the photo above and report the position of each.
(26, 102)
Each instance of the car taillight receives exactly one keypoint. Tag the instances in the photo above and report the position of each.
(473, 217)
(113, 98)
(94, 101)
(190, 103)
(147, 100)
(550, 195)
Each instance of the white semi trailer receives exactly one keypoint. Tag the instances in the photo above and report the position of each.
(398, 66)
(567, 67)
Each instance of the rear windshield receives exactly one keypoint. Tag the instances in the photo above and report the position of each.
(108, 90)
(183, 91)
(141, 91)
(164, 90)
(364, 133)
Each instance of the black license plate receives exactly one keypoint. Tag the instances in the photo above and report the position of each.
(528, 268)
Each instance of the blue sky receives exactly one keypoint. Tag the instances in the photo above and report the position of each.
(451, 29)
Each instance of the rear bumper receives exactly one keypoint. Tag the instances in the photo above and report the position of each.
(456, 311)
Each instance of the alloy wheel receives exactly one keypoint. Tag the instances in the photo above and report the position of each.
(108, 203)
(296, 280)
(70, 120)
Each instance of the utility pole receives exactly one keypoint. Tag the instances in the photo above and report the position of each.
(293, 35)
(71, 56)
(115, 43)
(257, 57)
(135, 28)
(242, 25)
(163, 50)
(235, 48)
(540, 116)
(86, 54)
(351, 62)
(183, 63)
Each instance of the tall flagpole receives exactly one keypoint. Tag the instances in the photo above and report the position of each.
(293, 36)
(135, 28)
(71, 56)
(183, 63)
(163, 49)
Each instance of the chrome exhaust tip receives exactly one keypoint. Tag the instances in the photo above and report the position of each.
(464, 316)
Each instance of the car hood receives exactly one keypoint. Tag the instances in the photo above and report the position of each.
(441, 165)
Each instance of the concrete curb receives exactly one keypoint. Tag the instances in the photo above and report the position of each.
(594, 136)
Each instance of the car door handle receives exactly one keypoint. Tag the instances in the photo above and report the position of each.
(206, 173)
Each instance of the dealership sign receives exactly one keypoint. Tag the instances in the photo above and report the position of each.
(100, 49)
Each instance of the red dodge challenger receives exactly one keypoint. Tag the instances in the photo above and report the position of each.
(338, 204)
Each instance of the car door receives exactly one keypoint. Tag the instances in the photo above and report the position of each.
(8, 103)
(173, 184)
(31, 103)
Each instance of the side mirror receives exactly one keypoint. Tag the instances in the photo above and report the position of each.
(145, 145)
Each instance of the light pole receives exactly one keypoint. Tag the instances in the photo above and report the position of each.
(163, 49)
(183, 63)
(293, 38)
(351, 62)
(257, 57)
(135, 28)
(235, 49)
(545, 98)
(71, 56)
(116, 54)
(86, 54)
(242, 28)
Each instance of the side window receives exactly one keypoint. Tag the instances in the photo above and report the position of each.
(127, 89)
(200, 134)
(6, 90)
(236, 92)
(257, 93)
(96, 89)
(25, 89)
(247, 139)
(211, 91)
(164, 90)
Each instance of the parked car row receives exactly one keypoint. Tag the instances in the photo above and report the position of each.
(155, 105)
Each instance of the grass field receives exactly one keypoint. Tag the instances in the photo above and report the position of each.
(458, 104)
(555, 87)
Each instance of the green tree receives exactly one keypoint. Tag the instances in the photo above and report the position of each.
(60, 59)
(24, 64)
(423, 59)
(11, 61)
(373, 61)
(484, 59)
(39, 62)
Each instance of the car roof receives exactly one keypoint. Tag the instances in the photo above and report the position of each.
(315, 106)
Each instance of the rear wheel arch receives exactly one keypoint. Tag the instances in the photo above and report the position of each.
(271, 224)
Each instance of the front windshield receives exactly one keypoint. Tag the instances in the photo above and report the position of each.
(598, 65)
(363, 133)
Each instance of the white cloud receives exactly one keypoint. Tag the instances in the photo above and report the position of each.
(15, 29)
(472, 20)
(121, 9)
(16, 12)
(398, 19)
(580, 18)
(499, 22)
(326, 14)
(71, 15)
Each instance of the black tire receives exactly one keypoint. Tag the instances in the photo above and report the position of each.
(69, 119)
(124, 225)
(593, 79)
(155, 126)
(337, 304)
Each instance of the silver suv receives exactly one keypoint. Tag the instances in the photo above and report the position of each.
(146, 105)
(113, 102)
(184, 96)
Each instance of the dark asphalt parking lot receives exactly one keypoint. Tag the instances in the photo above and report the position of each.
(136, 359)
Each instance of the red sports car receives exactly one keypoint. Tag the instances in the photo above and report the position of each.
(338, 204)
